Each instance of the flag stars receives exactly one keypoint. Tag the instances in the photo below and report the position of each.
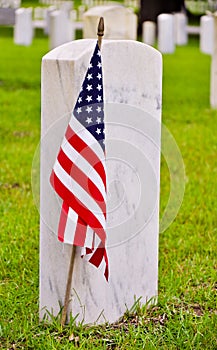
(98, 109)
(89, 87)
(88, 120)
(99, 53)
(99, 76)
(80, 99)
(98, 120)
(89, 109)
(79, 110)
(99, 87)
(90, 66)
(89, 98)
(99, 65)
(98, 131)
(90, 76)
(99, 98)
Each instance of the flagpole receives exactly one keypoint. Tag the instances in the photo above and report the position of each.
(100, 33)
(68, 286)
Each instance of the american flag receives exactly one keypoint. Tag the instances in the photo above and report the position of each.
(79, 176)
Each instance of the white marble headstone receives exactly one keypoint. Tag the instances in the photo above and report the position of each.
(61, 29)
(166, 33)
(132, 74)
(47, 13)
(149, 32)
(23, 30)
(120, 22)
(206, 34)
(181, 35)
(213, 84)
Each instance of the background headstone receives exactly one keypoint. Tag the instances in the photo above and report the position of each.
(166, 37)
(23, 30)
(149, 32)
(120, 22)
(206, 34)
(47, 15)
(61, 29)
(181, 35)
(132, 93)
(213, 94)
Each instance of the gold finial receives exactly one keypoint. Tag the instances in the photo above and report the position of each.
(100, 31)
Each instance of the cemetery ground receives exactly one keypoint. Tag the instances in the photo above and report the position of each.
(186, 312)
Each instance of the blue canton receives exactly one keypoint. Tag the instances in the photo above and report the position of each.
(89, 108)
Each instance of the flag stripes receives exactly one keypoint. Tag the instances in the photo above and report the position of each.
(79, 175)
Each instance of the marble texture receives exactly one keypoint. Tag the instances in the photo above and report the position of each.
(213, 87)
(149, 32)
(181, 35)
(166, 33)
(61, 29)
(132, 92)
(120, 22)
(206, 34)
(23, 30)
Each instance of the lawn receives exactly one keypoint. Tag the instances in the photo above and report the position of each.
(185, 316)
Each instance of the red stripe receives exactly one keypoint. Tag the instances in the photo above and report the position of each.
(81, 147)
(80, 233)
(77, 206)
(106, 273)
(98, 256)
(72, 169)
(62, 222)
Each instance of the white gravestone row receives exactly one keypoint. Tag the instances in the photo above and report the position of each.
(61, 29)
(120, 22)
(23, 30)
(56, 3)
(56, 23)
(14, 4)
(213, 87)
(206, 34)
(181, 35)
(132, 93)
(172, 30)
(92, 3)
(149, 32)
(166, 37)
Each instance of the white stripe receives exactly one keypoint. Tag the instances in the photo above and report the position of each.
(71, 225)
(84, 166)
(88, 138)
(89, 238)
(97, 241)
(79, 192)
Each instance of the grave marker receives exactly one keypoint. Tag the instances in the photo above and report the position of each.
(213, 94)
(23, 30)
(181, 35)
(132, 94)
(149, 32)
(61, 29)
(121, 23)
(166, 37)
(206, 34)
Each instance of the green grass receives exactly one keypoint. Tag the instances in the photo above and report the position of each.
(185, 315)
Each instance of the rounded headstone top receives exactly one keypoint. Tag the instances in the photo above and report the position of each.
(165, 16)
(75, 49)
(98, 10)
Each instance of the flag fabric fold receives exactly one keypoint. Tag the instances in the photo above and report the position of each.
(79, 176)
